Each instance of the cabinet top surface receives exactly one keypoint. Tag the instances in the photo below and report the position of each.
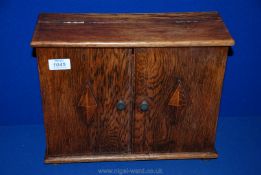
(131, 30)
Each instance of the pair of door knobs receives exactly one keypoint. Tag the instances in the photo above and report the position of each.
(144, 106)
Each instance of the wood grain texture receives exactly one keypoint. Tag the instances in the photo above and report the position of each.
(131, 30)
(172, 63)
(164, 128)
(107, 72)
(130, 157)
(88, 104)
(178, 97)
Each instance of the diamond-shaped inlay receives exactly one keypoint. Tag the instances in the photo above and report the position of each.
(88, 102)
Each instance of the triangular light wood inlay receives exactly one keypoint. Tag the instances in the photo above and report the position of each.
(178, 98)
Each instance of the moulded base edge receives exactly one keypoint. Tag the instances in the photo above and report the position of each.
(131, 157)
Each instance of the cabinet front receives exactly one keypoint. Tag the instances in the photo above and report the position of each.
(87, 107)
(142, 100)
(177, 95)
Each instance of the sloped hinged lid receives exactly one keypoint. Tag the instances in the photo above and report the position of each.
(131, 30)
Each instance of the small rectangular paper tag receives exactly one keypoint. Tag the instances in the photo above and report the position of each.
(59, 64)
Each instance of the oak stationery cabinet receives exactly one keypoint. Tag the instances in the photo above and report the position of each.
(130, 86)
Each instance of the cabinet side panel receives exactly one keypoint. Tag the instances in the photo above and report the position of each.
(79, 104)
(182, 87)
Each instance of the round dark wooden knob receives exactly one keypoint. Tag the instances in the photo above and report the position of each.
(121, 105)
(144, 106)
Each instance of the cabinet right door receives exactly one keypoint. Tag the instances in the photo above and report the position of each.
(177, 94)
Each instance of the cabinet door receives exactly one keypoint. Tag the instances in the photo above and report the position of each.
(181, 88)
(79, 104)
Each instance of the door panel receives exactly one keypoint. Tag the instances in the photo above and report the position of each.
(182, 87)
(79, 104)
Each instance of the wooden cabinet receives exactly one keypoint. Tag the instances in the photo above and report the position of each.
(130, 86)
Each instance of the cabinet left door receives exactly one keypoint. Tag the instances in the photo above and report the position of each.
(80, 103)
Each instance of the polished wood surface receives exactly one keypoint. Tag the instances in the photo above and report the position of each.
(88, 103)
(140, 86)
(131, 157)
(131, 30)
(69, 128)
(178, 98)
(189, 125)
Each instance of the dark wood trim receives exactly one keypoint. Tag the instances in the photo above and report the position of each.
(131, 157)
